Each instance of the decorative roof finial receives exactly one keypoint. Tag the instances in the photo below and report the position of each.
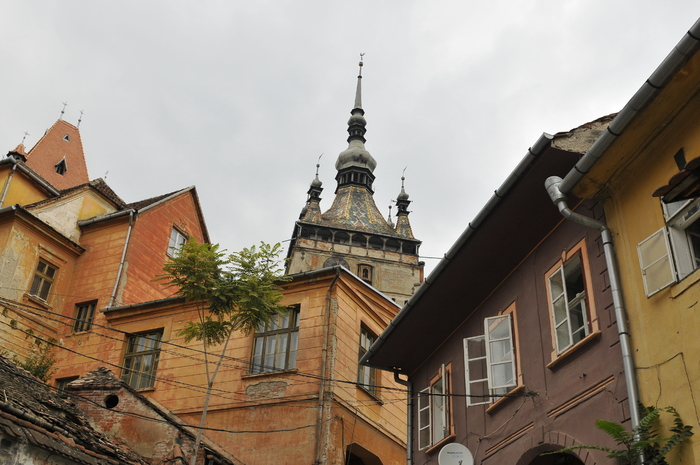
(81, 118)
(25, 136)
(65, 104)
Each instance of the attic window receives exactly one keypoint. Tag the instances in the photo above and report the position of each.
(66, 138)
(61, 167)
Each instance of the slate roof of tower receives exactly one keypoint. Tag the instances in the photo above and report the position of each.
(354, 208)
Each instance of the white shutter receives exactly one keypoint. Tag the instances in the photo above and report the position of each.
(655, 261)
(424, 434)
(499, 352)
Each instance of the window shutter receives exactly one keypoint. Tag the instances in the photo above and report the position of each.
(424, 433)
(655, 261)
(499, 351)
(445, 401)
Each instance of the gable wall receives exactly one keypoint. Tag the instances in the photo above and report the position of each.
(148, 246)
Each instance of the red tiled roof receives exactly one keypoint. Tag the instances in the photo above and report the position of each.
(61, 142)
(683, 185)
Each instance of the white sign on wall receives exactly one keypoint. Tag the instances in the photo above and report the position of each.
(455, 454)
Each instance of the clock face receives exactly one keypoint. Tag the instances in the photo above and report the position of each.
(333, 261)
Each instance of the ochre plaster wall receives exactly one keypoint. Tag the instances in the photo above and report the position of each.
(665, 326)
(274, 415)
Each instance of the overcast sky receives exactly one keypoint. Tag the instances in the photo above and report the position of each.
(241, 97)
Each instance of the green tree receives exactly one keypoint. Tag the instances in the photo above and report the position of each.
(643, 441)
(236, 292)
(40, 360)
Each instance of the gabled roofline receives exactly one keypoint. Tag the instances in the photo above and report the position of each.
(672, 64)
(538, 148)
(32, 174)
(18, 209)
(109, 216)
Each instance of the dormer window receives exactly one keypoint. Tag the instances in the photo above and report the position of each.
(61, 167)
(66, 138)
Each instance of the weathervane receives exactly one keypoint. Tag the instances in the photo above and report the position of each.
(25, 136)
(318, 164)
(361, 64)
(81, 118)
(65, 104)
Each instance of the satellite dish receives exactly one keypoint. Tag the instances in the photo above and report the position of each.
(455, 454)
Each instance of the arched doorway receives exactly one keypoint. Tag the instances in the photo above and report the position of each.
(535, 457)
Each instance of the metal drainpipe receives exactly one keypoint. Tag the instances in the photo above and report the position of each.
(121, 263)
(322, 384)
(409, 418)
(552, 184)
(7, 186)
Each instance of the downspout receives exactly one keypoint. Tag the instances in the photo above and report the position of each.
(409, 417)
(324, 361)
(553, 189)
(7, 186)
(121, 263)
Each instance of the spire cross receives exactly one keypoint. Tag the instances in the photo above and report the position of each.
(81, 118)
(25, 136)
(65, 104)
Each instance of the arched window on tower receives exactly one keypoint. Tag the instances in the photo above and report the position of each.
(365, 273)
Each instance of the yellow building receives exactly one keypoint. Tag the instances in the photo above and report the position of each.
(643, 170)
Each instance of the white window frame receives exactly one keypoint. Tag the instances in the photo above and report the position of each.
(492, 356)
(665, 262)
(491, 363)
(434, 420)
(177, 238)
(569, 302)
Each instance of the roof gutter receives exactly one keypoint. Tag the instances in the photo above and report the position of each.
(49, 188)
(558, 189)
(533, 153)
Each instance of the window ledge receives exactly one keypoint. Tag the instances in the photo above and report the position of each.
(440, 443)
(269, 373)
(38, 301)
(566, 355)
(370, 394)
(680, 287)
(148, 389)
(496, 405)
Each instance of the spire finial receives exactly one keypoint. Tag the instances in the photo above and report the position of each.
(318, 164)
(25, 136)
(358, 92)
(81, 118)
(65, 104)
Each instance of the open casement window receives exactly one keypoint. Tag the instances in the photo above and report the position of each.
(275, 344)
(567, 298)
(672, 252)
(489, 361)
(434, 410)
